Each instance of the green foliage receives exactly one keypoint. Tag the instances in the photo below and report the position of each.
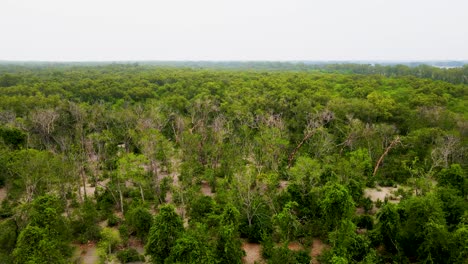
(287, 222)
(113, 220)
(85, 223)
(13, 137)
(129, 255)
(228, 247)
(105, 202)
(336, 204)
(136, 132)
(417, 213)
(8, 238)
(34, 245)
(139, 219)
(35, 172)
(459, 249)
(192, 247)
(110, 239)
(348, 244)
(282, 255)
(435, 247)
(453, 205)
(166, 229)
(46, 238)
(306, 171)
(389, 225)
(454, 177)
(200, 208)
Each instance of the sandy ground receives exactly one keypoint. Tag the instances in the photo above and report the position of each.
(317, 248)
(140, 248)
(253, 253)
(295, 246)
(3, 194)
(380, 193)
(91, 189)
(169, 197)
(87, 254)
(283, 185)
(206, 188)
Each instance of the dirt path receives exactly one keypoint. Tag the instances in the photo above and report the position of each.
(253, 253)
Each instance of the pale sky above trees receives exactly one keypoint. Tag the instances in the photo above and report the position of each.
(233, 30)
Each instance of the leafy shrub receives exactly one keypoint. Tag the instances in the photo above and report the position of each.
(129, 255)
(365, 221)
(139, 220)
(113, 220)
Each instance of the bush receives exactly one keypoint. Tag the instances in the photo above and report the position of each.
(139, 220)
(378, 203)
(85, 225)
(365, 221)
(113, 220)
(282, 255)
(110, 239)
(367, 204)
(129, 255)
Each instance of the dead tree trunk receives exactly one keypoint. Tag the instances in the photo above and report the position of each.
(392, 144)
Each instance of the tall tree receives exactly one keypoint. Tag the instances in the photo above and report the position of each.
(166, 229)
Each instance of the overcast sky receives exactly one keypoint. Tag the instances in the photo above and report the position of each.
(69, 30)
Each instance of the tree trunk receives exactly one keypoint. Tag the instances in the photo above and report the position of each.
(121, 197)
(141, 192)
(392, 144)
(83, 179)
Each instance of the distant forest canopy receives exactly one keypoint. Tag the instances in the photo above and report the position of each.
(449, 71)
(200, 164)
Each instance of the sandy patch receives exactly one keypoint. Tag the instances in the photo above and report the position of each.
(137, 245)
(360, 211)
(169, 197)
(206, 188)
(3, 194)
(317, 248)
(103, 224)
(283, 185)
(90, 190)
(295, 246)
(380, 193)
(253, 253)
(87, 254)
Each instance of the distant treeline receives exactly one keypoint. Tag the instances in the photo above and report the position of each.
(454, 72)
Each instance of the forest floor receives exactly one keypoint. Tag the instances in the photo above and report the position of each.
(3, 194)
(252, 253)
(283, 185)
(317, 248)
(206, 188)
(379, 193)
(86, 254)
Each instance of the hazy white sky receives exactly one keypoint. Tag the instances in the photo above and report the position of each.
(64, 30)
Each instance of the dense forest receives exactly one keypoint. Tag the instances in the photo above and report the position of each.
(123, 163)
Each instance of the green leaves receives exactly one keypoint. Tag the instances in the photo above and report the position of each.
(45, 239)
(287, 222)
(164, 232)
(336, 204)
